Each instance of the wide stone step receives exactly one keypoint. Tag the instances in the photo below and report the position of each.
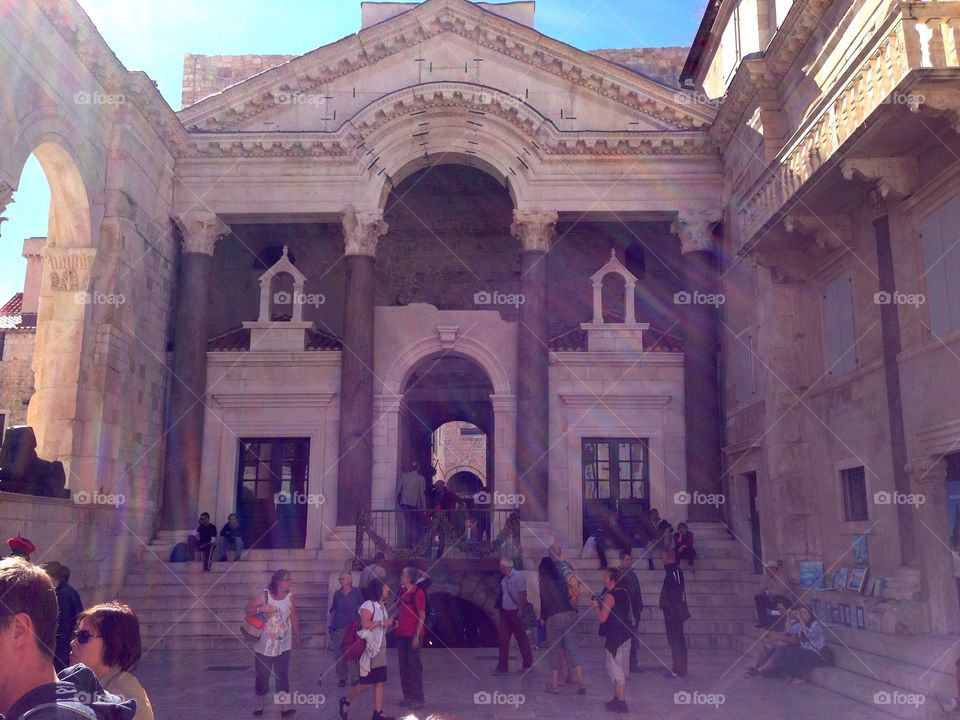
(219, 601)
(213, 626)
(224, 645)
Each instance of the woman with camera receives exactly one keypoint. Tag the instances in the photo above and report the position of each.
(803, 646)
(613, 611)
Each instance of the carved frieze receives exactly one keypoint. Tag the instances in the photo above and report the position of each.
(68, 268)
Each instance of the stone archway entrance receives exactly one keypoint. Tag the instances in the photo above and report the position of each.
(438, 390)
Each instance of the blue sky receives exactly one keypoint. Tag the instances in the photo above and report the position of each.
(152, 36)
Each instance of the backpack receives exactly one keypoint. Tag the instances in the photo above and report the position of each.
(180, 553)
(352, 645)
(430, 617)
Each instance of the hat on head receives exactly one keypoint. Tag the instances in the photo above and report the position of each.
(21, 546)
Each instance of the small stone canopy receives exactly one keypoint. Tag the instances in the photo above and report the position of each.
(283, 265)
(615, 267)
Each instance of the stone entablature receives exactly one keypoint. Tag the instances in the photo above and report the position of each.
(899, 47)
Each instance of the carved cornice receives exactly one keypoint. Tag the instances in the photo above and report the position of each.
(695, 230)
(318, 68)
(77, 31)
(894, 177)
(536, 230)
(452, 100)
(895, 50)
(68, 268)
(938, 102)
(803, 18)
(830, 232)
(362, 231)
(200, 230)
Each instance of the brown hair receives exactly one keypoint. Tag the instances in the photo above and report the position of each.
(613, 574)
(119, 629)
(276, 579)
(26, 588)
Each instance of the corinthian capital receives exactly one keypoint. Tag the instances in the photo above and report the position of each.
(362, 230)
(201, 230)
(695, 230)
(536, 230)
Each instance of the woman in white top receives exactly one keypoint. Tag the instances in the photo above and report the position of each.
(375, 624)
(280, 634)
(107, 641)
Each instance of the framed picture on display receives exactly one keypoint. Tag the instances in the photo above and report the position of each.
(847, 613)
(840, 578)
(861, 620)
(811, 574)
(857, 580)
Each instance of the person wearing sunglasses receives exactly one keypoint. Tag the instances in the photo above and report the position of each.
(29, 686)
(343, 608)
(107, 641)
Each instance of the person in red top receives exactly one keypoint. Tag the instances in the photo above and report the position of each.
(411, 625)
(683, 543)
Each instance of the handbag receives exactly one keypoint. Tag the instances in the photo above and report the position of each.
(352, 645)
(528, 616)
(252, 626)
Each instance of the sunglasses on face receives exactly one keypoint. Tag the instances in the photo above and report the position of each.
(84, 636)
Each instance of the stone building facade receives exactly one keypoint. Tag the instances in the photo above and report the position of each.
(641, 294)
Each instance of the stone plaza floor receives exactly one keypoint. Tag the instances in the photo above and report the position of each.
(460, 685)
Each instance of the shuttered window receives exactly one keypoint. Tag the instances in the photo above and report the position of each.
(839, 335)
(744, 379)
(940, 235)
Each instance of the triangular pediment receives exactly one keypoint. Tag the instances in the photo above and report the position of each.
(443, 41)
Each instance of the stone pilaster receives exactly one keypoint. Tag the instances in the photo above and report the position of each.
(536, 231)
(700, 322)
(200, 232)
(928, 482)
(361, 231)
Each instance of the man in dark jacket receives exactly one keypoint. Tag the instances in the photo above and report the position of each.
(28, 630)
(70, 605)
(673, 602)
(631, 583)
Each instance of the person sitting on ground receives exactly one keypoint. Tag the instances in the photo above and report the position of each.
(804, 648)
(664, 531)
(206, 539)
(29, 686)
(69, 606)
(231, 538)
(769, 602)
(108, 642)
(646, 536)
(683, 543)
(613, 612)
(610, 532)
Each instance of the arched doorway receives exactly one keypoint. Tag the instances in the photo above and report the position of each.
(439, 390)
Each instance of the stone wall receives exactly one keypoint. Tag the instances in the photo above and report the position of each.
(661, 64)
(16, 375)
(205, 75)
(456, 451)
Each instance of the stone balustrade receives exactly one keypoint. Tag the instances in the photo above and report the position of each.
(916, 35)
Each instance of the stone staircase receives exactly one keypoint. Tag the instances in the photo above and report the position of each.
(180, 607)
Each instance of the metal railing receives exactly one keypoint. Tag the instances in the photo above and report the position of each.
(448, 534)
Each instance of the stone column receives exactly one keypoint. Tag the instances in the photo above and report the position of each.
(536, 231)
(200, 232)
(701, 394)
(361, 232)
(928, 482)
